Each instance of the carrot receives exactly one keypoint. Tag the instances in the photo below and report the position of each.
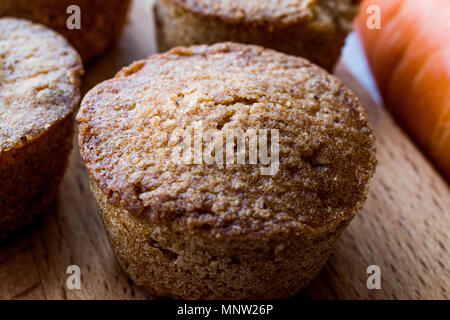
(410, 59)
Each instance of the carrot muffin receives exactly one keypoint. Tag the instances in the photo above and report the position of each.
(212, 230)
(314, 29)
(101, 20)
(39, 91)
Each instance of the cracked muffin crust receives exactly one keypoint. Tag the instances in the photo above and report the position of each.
(314, 29)
(101, 21)
(39, 91)
(212, 231)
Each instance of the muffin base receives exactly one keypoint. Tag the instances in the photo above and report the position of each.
(182, 265)
(177, 26)
(31, 175)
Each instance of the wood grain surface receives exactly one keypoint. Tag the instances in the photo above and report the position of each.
(403, 228)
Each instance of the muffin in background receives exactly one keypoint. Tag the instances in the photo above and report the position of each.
(39, 92)
(101, 21)
(313, 29)
(202, 230)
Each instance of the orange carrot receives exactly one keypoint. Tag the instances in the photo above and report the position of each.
(410, 59)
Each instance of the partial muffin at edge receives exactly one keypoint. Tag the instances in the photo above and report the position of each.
(315, 29)
(101, 21)
(211, 231)
(39, 91)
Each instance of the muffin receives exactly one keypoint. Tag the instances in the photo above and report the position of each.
(314, 29)
(101, 21)
(193, 229)
(39, 91)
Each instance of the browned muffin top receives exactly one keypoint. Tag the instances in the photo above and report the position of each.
(327, 153)
(39, 81)
(323, 12)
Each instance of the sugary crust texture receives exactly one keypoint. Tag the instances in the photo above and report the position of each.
(185, 266)
(39, 92)
(275, 11)
(39, 81)
(101, 20)
(314, 29)
(327, 149)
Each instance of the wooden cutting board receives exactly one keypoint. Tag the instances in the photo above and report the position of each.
(403, 228)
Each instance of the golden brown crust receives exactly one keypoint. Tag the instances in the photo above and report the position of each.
(314, 29)
(327, 151)
(40, 79)
(281, 12)
(39, 92)
(101, 20)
